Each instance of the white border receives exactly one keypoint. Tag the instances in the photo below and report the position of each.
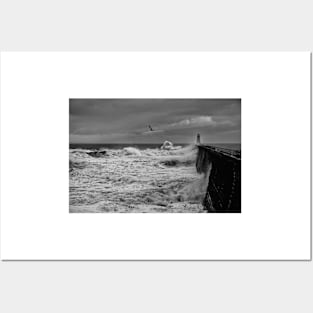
(275, 93)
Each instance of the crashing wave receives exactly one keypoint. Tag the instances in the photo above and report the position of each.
(185, 156)
(194, 191)
(185, 150)
(132, 151)
(167, 145)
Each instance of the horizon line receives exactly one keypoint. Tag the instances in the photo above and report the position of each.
(141, 143)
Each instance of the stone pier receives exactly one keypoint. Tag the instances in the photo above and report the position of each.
(223, 166)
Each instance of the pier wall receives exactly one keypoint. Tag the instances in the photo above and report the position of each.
(223, 166)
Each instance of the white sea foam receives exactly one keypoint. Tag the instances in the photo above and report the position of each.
(132, 151)
(133, 180)
(185, 156)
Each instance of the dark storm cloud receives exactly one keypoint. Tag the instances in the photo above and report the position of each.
(126, 120)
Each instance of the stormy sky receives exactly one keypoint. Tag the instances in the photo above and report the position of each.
(176, 120)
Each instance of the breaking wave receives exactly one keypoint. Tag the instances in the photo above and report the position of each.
(184, 156)
(132, 151)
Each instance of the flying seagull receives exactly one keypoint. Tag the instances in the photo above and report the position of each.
(151, 130)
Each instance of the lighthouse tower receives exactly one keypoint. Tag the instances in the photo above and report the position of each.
(198, 139)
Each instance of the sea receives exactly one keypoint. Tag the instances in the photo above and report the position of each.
(136, 178)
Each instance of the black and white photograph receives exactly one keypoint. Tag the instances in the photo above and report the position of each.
(128, 133)
(155, 155)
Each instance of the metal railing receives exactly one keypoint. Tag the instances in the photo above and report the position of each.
(228, 152)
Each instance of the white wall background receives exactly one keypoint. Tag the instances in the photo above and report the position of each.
(151, 286)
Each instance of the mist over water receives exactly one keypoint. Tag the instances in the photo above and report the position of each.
(136, 178)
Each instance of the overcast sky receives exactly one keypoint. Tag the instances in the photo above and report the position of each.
(176, 120)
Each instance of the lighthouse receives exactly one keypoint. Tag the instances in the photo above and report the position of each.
(198, 139)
